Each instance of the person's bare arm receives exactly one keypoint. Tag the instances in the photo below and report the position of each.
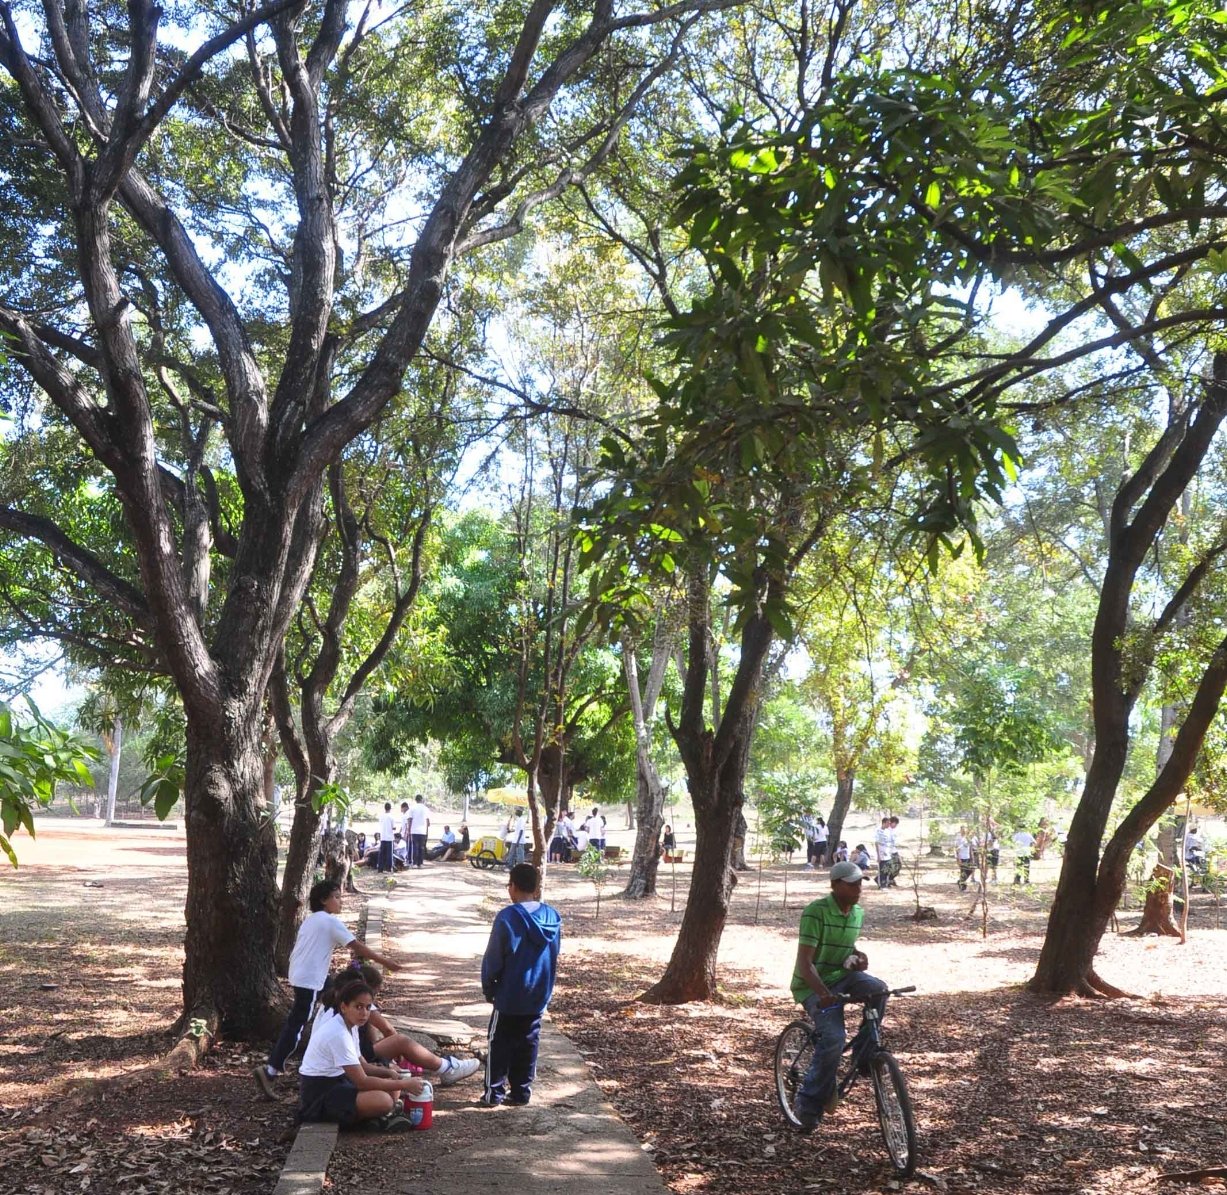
(363, 1079)
(362, 950)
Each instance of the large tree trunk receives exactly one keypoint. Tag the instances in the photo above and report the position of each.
(715, 772)
(646, 858)
(844, 782)
(691, 973)
(1074, 932)
(551, 779)
(231, 908)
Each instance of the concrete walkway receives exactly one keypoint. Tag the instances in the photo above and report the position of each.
(569, 1140)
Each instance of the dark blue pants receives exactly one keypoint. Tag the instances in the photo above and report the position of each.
(417, 849)
(512, 1060)
(385, 856)
(820, 1079)
(291, 1031)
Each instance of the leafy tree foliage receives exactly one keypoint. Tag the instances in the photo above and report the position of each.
(34, 757)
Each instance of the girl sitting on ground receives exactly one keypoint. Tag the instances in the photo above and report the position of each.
(335, 1083)
(380, 1043)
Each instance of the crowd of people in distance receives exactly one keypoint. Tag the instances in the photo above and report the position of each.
(572, 836)
(399, 844)
(356, 1069)
(402, 844)
(973, 850)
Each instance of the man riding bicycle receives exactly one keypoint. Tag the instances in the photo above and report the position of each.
(829, 967)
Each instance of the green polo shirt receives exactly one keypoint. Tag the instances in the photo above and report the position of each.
(833, 935)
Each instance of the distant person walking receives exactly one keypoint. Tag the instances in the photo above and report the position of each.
(1024, 844)
(517, 834)
(962, 853)
(387, 835)
(884, 846)
(595, 826)
(419, 828)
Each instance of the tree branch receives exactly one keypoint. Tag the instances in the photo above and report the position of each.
(81, 561)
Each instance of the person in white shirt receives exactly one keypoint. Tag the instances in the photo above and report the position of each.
(336, 1084)
(595, 825)
(406, 831)
(1024, 843)
(884, 846)
(517, 836)
(387, 837)
(320, 933)
(419, 827)
(962, 853)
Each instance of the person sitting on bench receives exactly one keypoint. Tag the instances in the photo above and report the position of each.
(446, 839)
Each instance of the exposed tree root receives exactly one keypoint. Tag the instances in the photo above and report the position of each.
(184, 1055)
(670, 993)
(1101, 987)
(1192, 1176)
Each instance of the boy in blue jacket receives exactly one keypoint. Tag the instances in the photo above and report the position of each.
(517, 977)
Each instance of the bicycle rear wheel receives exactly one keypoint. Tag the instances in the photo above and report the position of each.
(894, 1112)
(794, 1051)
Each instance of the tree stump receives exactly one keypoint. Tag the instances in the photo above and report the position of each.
(1157, 912)
(340, 852)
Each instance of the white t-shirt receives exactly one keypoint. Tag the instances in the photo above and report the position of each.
(962, 847)
(595, 826)
(419, 817)
(884, 841)
(387, 827)
(517, 830)
(318, 936)
(333, 1047)
(1024, 840)
(406, 823)
(821, 834)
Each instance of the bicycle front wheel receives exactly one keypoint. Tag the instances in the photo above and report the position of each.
(894, 1112)
(793, 1054)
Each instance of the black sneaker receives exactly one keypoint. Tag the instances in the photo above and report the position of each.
(392, 1122)
(265, 1081)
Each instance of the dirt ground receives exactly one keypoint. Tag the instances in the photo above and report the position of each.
(1013, 1093)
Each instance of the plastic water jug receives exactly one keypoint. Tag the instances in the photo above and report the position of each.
(420, 1108)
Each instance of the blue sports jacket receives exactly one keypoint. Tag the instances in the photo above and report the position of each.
(517, 971)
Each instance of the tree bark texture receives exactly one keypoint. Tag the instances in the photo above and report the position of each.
(231, 907)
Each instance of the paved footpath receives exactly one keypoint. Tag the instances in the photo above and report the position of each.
(569, 1140)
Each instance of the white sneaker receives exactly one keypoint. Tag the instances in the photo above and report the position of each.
(453, 1070)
